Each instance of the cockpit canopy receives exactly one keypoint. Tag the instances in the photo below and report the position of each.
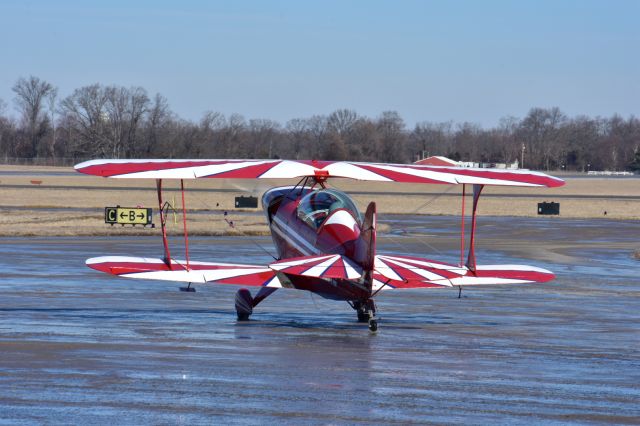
(316, 206)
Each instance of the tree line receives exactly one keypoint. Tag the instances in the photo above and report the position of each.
(99, 121)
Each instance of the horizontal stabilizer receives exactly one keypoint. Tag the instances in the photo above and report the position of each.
(412, 272)
(327, 266)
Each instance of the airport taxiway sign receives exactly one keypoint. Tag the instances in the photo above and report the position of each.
(128, 215)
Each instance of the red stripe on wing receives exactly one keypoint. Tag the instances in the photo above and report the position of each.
(116, 169)
(122, 268)
(255, 280)
(247, 172)
(409, 273)
(398, 176)
(529, 178)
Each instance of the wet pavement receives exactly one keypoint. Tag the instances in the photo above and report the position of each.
(80, 347)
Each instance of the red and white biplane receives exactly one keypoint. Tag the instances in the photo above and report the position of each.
(324, 244)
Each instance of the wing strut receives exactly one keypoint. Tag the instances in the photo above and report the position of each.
(471, 259)
(163, 224)
(464, 188)
(184, 222)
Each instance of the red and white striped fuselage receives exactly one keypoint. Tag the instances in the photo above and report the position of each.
(306, 221)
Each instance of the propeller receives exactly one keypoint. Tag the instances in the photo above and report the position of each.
(255, 187)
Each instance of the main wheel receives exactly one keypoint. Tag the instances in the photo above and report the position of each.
(373, 325)
(244, 304)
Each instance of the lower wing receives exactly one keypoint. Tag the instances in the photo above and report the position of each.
(412, 272)
(389, 271)
(324, 266)
(195, 272)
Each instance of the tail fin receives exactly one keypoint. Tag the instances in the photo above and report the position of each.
(366, 250)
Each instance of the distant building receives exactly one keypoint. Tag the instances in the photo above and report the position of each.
(468, 164)
(510, 166)
(437, 160)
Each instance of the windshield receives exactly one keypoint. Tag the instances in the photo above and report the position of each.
(316, 206)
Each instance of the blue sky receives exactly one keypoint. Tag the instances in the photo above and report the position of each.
(473, 61)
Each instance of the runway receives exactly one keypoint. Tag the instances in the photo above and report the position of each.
(80, 347)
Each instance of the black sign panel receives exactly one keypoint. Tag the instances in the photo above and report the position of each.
(246, 202)
(549, 208)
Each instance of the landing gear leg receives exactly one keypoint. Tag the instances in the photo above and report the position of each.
(366, 312)
(361, 310)
(370, 308)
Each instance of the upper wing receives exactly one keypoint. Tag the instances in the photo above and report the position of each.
(275, 169)
(413, 272)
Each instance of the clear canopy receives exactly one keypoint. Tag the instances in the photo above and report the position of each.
(316, 206)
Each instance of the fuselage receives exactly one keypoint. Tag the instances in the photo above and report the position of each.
(307, 221)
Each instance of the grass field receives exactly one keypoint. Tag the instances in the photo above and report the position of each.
(35, 202)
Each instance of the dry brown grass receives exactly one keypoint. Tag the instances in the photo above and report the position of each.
(41, 222)
(50, 208)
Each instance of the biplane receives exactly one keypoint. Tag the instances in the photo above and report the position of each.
(324, 244)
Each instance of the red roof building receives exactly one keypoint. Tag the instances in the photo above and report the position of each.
(437, 160)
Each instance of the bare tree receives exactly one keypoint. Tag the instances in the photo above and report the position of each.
(298, 136)
(124, 110)
(363, 141)
(335, 148)
(106, 120)
(540, 131)
(392, 142)
(341, 121)
(51, 101)
(113, 121)
(158, 127)
(317, 126)
(263, 135)
(85, 116)
(7, 132)
(429, 139)
(31, 94)
(213, 140)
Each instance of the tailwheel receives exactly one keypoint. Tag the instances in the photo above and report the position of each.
(244, 304)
